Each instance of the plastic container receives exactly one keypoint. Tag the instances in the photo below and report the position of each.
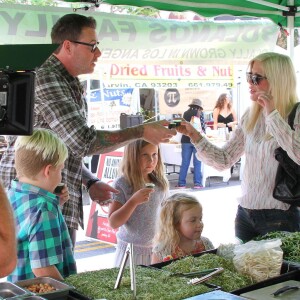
(292, 275)
(289, 271)
(150, 185)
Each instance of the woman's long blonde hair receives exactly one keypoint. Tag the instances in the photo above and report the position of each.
(281, 76)
(167, 236)
(130, 167)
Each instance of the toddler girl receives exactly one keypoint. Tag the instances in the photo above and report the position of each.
(135, 209)
(179, 229)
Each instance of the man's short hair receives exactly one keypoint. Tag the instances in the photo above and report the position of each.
(34, 152)
(69, 27)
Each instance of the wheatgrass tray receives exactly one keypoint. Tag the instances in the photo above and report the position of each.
(151, 284)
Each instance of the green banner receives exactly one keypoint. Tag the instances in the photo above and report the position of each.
(144, 40)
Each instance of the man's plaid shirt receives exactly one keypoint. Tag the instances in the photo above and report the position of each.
(60, 105)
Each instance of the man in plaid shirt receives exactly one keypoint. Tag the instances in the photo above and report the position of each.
(60, 105)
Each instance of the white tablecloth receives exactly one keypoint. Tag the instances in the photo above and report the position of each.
(171, 154)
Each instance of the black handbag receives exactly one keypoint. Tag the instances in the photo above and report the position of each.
(287, 181)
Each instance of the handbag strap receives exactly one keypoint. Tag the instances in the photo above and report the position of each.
(292, 114)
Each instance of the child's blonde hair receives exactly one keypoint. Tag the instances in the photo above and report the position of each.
(34, 152)
(131, 169)
(167, 236)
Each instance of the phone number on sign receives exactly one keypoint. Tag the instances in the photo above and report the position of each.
(210, 84)
(184, 84)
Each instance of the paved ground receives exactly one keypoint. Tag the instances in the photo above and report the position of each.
(219, 207)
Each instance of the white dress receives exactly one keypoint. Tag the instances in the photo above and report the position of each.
(140, 227)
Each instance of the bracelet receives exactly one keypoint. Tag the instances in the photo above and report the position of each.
(90, 183)
(200, 138)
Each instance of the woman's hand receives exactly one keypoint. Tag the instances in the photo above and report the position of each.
(266, 100)
(188, 129)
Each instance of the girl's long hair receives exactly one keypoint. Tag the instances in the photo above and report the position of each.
(221, 102)
(167, 236)
(130, 167)
(281, 76)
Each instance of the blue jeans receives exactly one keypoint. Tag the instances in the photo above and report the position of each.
(249, 223)
(187, 149)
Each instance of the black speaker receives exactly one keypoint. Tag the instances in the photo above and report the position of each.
(130, 120)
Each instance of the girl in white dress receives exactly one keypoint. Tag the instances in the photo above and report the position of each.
(134, 209)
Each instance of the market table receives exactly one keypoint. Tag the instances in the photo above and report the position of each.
(171, 156)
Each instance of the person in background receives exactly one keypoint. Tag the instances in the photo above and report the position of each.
(263, 128)
(179, 229)
(187, 148)
(224, 114)
(8, 241)
(43, 241)
(134, 209)
(60, 105)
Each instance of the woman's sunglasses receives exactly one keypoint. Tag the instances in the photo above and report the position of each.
(254, 79)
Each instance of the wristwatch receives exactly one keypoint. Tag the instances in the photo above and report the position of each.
(90, 183)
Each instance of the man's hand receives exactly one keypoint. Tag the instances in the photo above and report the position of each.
(156, 132)
(101, 192)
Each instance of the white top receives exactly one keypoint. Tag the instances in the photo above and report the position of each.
(260, 169)
(140, 227)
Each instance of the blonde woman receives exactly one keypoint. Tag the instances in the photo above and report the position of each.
(135, 207)
(179, 229)
(224, 114)
(263, 128)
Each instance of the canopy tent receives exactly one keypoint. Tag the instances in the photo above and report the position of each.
(277, 10)
(284, 12)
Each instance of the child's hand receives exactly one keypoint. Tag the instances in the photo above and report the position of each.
(63, 195)
(142, 195)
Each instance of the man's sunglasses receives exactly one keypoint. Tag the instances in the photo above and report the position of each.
(254, 79)
(94, 46)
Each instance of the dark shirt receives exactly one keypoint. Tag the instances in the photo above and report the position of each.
(187, 115)
(228, 119)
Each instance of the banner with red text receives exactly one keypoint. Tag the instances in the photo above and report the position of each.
(168, 76)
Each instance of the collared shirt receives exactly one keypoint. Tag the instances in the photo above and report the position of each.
(60, 105)
(42, 236)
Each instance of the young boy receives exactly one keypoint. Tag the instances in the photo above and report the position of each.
(43, 241)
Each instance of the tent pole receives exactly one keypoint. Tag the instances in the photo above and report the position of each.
(290, 38)
(290, 26)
